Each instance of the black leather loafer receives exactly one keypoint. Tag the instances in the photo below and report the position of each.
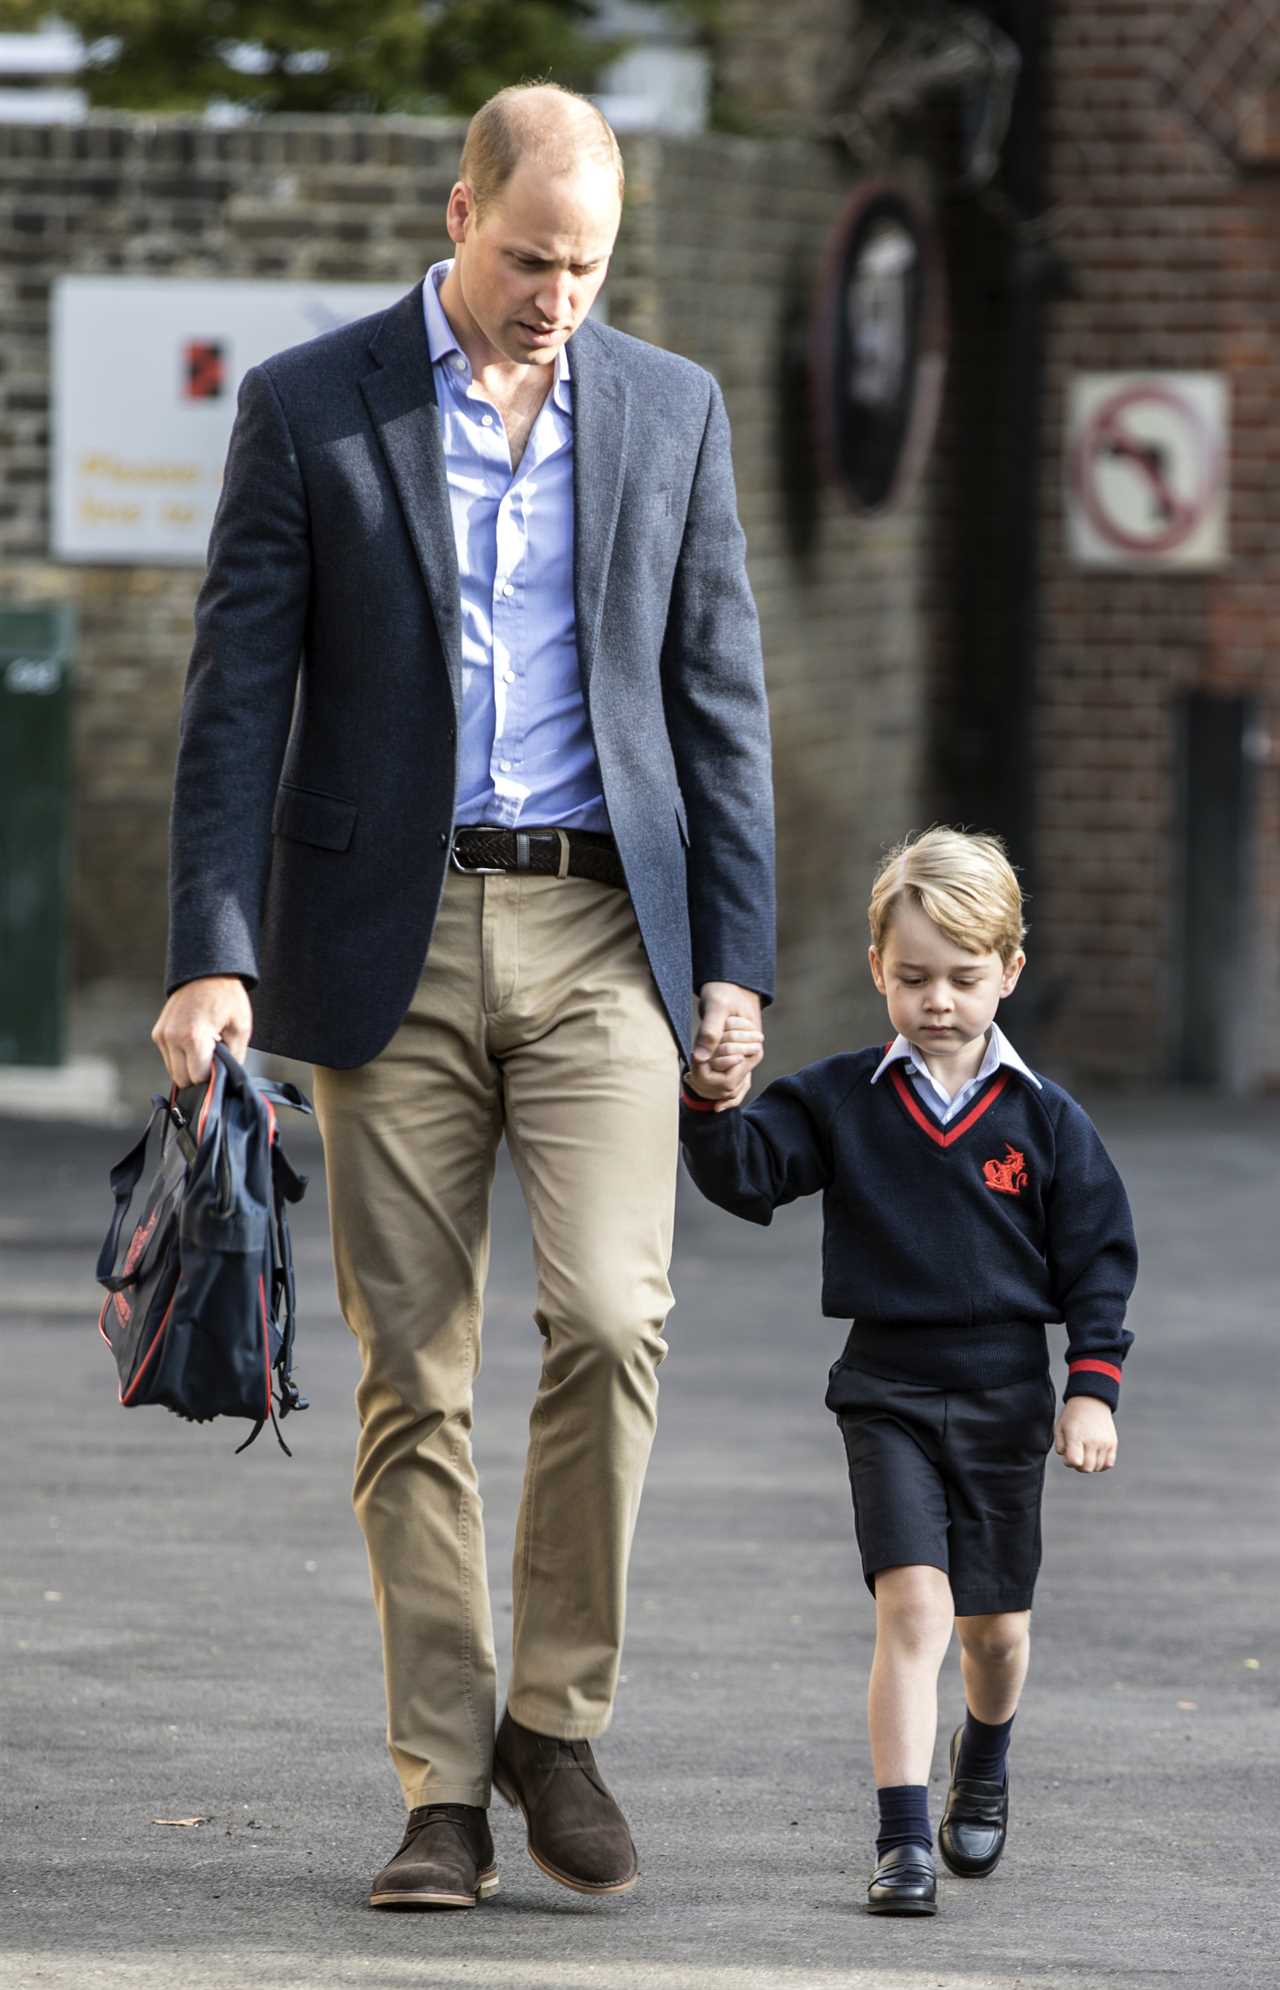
(975, 1822)
(904, 1882)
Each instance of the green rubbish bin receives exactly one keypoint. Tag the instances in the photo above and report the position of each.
(36, 660)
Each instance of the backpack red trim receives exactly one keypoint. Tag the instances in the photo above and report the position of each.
(141, 1369)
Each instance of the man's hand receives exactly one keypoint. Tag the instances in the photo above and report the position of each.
(730, 1043)
(1085, 1437)
(215, 1009)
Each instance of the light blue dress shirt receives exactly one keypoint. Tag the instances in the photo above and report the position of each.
(525, 754)
(940, 1102)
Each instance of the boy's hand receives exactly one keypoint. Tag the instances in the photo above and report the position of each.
(742, 1041)
(726, 1088)
(722, 1005)
(722, 1066)
(1085, 1436)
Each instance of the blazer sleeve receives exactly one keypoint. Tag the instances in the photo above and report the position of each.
(249, 621)
(718, 724)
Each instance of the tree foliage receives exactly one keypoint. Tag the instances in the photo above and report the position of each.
(322, 55)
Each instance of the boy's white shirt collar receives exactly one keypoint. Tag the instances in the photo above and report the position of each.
(999, 1052)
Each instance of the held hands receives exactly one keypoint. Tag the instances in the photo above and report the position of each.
(215, 1009)
(1085, 1435)
(729, 1045)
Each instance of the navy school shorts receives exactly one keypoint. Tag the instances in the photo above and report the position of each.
(949, 1477)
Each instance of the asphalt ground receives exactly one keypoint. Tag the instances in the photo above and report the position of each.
(188, 1634)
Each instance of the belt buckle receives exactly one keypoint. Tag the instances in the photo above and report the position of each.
(473, 870)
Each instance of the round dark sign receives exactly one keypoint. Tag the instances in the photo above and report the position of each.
(879, 345)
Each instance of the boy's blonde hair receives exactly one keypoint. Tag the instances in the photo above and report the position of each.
(962, 881)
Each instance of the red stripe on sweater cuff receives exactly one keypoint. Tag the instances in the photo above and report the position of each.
(694, 1103)
(1094, 1368)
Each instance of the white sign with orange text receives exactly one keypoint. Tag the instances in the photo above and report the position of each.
(145, 376)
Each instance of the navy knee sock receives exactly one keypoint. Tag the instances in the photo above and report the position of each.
(904, 1817)
(983, 1748)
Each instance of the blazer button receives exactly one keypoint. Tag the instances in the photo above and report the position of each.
(443, 839)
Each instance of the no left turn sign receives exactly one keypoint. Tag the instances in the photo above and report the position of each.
(1146, 470)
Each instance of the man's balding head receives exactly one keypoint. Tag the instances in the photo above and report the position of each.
(556, 130)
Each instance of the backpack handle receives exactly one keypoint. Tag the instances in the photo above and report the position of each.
(280, 1091)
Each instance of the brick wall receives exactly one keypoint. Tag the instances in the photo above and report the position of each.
(297, 199)
(1166, 216)
(776, 66)
(1162, 203)
(715, 259)
(837, 594)
(1173, 248)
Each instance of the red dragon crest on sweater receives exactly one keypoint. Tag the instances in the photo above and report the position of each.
(1007, 1177)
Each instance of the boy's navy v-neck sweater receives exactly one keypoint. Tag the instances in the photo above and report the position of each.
(947, 1247)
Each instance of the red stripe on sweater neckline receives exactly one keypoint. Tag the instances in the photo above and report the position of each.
(949, 1136)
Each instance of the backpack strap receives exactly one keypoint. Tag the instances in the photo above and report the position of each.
(125, 1177)
(257, 1430)
(282, 1094)
(287, 1186)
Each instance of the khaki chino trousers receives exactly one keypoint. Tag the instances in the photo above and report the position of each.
(536, 1016)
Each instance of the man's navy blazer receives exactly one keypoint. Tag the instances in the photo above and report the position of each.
(314, 795)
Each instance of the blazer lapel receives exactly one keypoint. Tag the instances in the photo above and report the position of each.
(599, 457)
(401, 399)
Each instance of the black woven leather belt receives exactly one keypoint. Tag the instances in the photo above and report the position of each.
(544, 853)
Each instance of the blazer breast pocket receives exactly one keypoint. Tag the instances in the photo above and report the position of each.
(655, 504)
(305, 815)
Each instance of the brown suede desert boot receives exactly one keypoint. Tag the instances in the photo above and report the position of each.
(445, 1860)
(577, 1834)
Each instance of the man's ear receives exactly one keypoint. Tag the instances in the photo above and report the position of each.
(877, 970)
(460, 213)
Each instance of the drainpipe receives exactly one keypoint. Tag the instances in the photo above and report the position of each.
(1032, 275)
(1002, 279)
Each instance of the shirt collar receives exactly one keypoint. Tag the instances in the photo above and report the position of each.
(999, 1052)
(1008, 1056)
(442, 340)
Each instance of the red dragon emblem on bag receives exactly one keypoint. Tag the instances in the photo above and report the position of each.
(138, 1244)
(1007, 1177)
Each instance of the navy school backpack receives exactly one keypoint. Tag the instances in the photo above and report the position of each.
(200, 1308)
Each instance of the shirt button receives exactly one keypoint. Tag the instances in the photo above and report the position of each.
(459, 363)
(487, 420)
(505, 766)
(508, 677)
(507, 588)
